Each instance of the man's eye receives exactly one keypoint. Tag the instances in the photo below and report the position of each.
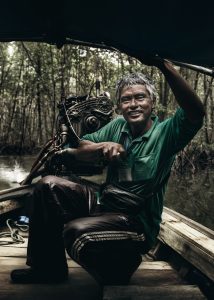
(140, 97)
(125, 99)
(137, 97)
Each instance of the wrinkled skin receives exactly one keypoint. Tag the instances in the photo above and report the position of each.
(136, 106)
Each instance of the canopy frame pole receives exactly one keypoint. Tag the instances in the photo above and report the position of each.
(203, 70)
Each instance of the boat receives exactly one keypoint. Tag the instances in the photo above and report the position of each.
(181, 265)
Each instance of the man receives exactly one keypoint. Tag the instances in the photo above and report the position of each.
(140, 152)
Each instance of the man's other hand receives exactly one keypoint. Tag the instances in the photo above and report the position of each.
(113, 151)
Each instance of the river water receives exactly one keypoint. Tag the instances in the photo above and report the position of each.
(191, 195)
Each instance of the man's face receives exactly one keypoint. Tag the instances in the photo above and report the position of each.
(136, 105)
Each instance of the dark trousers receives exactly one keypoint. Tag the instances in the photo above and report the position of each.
(65, 214)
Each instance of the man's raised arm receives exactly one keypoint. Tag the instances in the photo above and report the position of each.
(184, 94)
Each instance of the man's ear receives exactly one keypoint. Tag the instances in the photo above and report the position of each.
(153, 108)
(153, 105)
(117, 109)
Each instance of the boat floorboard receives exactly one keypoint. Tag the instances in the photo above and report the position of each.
(152, 280)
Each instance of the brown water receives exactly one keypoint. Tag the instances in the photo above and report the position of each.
(191, 195)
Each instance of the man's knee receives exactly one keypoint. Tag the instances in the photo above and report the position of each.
(46, 181)
(99, 256)
(51, 181)
(73, 232)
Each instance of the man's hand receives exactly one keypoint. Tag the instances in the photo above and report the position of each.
(62, 157)
(155, 61)
(107, 151)
(112, 151)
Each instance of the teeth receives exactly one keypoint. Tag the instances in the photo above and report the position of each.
(134, 112)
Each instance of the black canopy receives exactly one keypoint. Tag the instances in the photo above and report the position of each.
(174, 29)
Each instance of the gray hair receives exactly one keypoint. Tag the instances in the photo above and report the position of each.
(133, 79)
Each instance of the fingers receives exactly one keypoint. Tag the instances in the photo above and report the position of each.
(113, 151)
(152, 60)
(58, 155)
(63, 156)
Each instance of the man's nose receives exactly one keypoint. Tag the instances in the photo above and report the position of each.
(133, 102)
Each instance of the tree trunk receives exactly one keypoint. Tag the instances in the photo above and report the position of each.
(38, 100)
(208, 123)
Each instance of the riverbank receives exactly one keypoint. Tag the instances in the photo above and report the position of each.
(15, 149)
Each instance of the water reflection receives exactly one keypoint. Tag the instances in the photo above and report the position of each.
(191, 195)
(13, 170)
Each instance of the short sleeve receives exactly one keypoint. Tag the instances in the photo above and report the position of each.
(109, 132)
(179, 131)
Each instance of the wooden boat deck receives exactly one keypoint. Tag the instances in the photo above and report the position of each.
(153, 280)
(79, 286)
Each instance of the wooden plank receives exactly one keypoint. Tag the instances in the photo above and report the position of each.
(9, 205)
(193, 245)
(201, 240)
(150, 274)
(156, 277)
(80, 285)
(154, 265)
(20, 262)
(13, 250)
(146, 293)
(201, 228)
(9, 253)
(16, 193)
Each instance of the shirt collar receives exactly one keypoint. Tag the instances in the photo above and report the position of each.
(147, 134)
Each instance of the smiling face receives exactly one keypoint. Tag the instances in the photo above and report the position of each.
(136, 106)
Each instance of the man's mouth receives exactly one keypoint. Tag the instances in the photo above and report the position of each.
(134, 113)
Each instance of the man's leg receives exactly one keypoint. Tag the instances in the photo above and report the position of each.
(107, 246)
(55, 202)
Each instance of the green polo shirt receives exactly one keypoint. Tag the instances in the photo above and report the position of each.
(146, 169)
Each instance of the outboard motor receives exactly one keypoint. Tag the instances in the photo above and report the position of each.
(79, 115)
(86, 114)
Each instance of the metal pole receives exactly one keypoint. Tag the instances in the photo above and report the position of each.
(200, 69)
(206, 71)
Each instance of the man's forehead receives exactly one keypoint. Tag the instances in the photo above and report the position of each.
(137, 88)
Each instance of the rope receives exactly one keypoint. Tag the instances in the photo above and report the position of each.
(16, 237)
